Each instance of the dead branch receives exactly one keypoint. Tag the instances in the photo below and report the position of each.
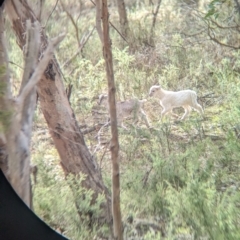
(208, 95)
(73, 23)
(51, 13)
(146, 176)
(98, 26)
(19, 132)
(92, 129)
(118, 32)
(82, 44)
(104, 153)
(219, 42)
(238, 6)
(155, 13)
(36, 76)
(194, 34)
(98, 5)
(32, 50)
(225, 27)
(15, 64)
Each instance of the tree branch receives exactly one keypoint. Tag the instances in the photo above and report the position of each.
(238, 6)
(219, 42)
(15, 64)
(109, 23)
(114, 145)
(82, 44)
(98, 5)
(155, 13)
(36, 76)
(225, 27)
(51, 13)
(73, 23)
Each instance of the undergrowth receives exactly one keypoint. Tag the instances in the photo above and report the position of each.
(182, 176)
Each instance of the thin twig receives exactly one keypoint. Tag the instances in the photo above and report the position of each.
(106, 147)
(221, 43)
(193, 35)
(145, 178)
(51, 13)
(73, 22)
(155, 13)
(91, 129)
(225, 27)
(79, 49)
(15, 64)
(113, 26)
(118, 32)
(238, 6)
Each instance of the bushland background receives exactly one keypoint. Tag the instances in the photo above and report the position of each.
(179, 180)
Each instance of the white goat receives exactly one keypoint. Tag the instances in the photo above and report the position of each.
(169, 100)
(132, 107)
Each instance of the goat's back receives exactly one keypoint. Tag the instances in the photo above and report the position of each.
(128, 107)
(180, 98)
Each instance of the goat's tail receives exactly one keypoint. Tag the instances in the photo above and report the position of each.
(193, 98)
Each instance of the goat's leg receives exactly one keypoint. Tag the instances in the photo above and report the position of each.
(120, 123)
(199, 108)
(144, 117)
(186, 108)
(189, 108)
(164, 112)
(174, 114)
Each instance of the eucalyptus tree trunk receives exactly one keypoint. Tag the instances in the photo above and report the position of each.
(114, 144)
(123, 17)
(75, 157)
(19, 132)
(17, 114)
(5, 94)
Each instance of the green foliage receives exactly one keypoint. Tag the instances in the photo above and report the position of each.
(182, 175)
(55, 201)
(212, 9)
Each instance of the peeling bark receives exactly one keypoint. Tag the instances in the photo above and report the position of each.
(69, 142)
(18, 134)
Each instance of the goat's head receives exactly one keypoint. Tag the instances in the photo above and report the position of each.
(153, 90)
(102, 99)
